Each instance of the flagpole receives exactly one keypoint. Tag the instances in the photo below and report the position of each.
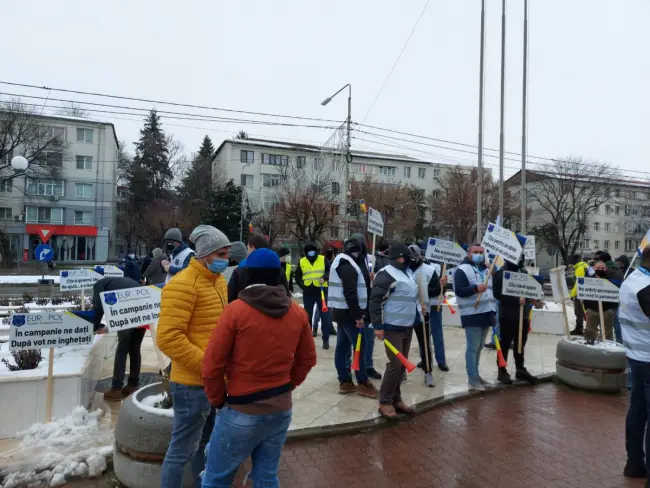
(503, 102)
(479, 191)
(524, 115)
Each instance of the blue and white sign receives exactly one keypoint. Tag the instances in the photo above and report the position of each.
(43, 330)
(442, 251)
(503, 242)
(597, 290)
(521, 285)
(78, 279)
(44, 253)
(131, 307)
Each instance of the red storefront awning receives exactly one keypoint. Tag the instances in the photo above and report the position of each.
(46, 230)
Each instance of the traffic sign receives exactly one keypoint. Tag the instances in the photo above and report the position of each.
(44, 253)
(45, 234)
(375, 222)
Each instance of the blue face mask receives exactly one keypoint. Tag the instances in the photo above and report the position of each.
(218, 266)
(478, 258)
(311, 254)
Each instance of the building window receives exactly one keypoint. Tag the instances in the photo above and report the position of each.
(436, 174)
(6, 213)
(84, 190)
(46, 188)
(617, 209)
(269, 181)
(84, 162)
(301, 162)
(617, 193)
(85, 135)
(595, 226)
(44, 215)
(247, 180)
(387, 170)
(82, 218)
(318, 163)
(617, 228)
(247, 156)
(336, 165)
(584, 244)
(122, 193)
(334, 232)
(617, 245)
(607, 227)
(606, 245)
(275, 159)
(336, 187)
(596, 244)
(422, 173)
(336, 209)
(608, 209)
(6, 186)
(635, 211)
(407, 171)
(58, 133)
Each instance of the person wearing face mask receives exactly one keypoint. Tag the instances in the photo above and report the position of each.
(615, 276)
(311, 274)
(284, 253)
(131, 267)
(394, 304)
(178, 251)
(509, 324)
(476, 319)
(191, 306)
(238, 252)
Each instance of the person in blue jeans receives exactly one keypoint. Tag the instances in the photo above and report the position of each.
(437, 284)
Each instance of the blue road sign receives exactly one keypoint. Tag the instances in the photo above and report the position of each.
(44, 253)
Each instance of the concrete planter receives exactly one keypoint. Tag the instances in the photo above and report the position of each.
(142, 435)
(23, 398)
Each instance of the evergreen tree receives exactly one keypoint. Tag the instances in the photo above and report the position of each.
(198, 181)
(223, 209)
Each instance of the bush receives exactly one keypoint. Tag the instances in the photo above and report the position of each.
(4, 302)
(42, 300)
(57, 300)
(27, 297)
(24, 360)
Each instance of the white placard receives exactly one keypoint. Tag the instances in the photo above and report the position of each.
(529, 248)
(78, 279)
(131, 307)
(43, 330)
(597, 289)
(448, 252)
(375, 222)
(502, 242)
(111, 271)
(521, 285)
(558, 284)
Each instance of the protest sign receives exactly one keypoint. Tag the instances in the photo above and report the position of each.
(131, 307)
(597, 289)
(44, 330)
(521, 285)
(445, 251)
(559, 285)
(529, 248)
(78, 279)
(112, 271)
(502, 242)
(375, 222)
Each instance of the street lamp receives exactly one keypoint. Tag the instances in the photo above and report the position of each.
(19, 164)
(348, 153)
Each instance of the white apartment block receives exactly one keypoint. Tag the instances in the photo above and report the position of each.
(254, 164)
(76, 211)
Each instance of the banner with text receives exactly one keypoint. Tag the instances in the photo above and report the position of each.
(131, 307)
(110, 271)
(375, 222)
(448, 252)
(597, 289)
(503, 242)
(43, 330)
(78, 279)
(521, 285)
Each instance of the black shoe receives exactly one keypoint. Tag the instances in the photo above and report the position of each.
(373, 374)
(491, 346)
(524, 375)
(576, 332)
(634, 471)
(443, 367)
(503, 377)
(326, 344)
(315, 333)
(421, 365)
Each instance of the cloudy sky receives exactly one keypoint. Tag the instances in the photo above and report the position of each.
(589, 70)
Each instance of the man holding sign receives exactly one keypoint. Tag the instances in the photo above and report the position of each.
(604, 299)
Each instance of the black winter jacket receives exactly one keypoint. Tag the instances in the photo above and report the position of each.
(349, 278)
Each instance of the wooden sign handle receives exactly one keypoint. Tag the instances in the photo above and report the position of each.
(602, 320)
(442, 289)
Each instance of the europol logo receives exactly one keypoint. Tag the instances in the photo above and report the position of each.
(18, 320)
(110, 299)
(581, 281)
(64, 274)
(506, 276)
(490, 227)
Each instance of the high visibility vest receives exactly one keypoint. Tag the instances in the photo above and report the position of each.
(433, 301)
(335, 298)
(466, 304)
(635, 325)
(178, 261)
(401, 307)
(311, 273)
(287, 271)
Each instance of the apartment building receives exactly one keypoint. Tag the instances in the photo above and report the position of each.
(254, 164)
(74, 212)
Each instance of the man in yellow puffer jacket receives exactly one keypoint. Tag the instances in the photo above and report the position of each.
(191, 305)
(579, 271)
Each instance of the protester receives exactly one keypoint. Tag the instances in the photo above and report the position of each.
(615, 276)
(476, 318)
(311, 277)
(146, 261)
(381, 258)
(435, 286)
(238, 252)
(191, 307)
(635, 325)
(128, 341)
(131, 267)
(329, 254)
(623, 263)
(393, 312)
(284, 253)
(579, 271)
(155, 273)
(238, 278)
(349, 289)
(257, 411)
(179, 252)
(509, 325)
(368, 332)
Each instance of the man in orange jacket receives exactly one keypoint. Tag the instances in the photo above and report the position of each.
(265, 345)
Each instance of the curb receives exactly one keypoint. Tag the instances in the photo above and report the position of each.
(365, 426)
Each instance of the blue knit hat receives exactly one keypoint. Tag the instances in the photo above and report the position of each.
(263, 258)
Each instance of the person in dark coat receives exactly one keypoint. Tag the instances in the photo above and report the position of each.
(146, 261)
(155, 273)
(381, 256)
(131, 267)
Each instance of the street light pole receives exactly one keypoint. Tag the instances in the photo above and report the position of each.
(524, 122)
(479, 197)
(503, 103)
(348, 154)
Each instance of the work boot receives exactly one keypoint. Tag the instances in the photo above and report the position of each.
(387, 411)
(576, 332)
(443, 367)
(524, 375)
(315, 332)
(428, 380)
(113, 395)
(634, 471)
(129, 390)
(402, 407)
(504, 377)
(373, 374)
(368, 390)
(489, 345)
(347, 387)
(326, 343)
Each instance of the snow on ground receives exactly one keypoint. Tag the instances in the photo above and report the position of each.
(26, 279)
(606, 345)
(147, 404)
(75, 446)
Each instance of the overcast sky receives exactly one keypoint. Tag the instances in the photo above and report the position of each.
(589, 68)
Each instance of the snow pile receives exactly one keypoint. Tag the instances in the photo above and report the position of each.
(67, 361)
(74, 446)
(606, 345)
(148, 404)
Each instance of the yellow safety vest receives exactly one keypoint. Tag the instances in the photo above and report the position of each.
(311, 273)
(287, 271)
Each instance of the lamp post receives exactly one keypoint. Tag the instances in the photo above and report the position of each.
(19, 164)
(348, 154)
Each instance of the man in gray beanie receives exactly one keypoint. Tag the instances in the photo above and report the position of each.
(179, 252)
(155, 273)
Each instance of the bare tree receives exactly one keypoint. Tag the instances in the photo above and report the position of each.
(73, 109)
(270, 223)
(566, 194)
